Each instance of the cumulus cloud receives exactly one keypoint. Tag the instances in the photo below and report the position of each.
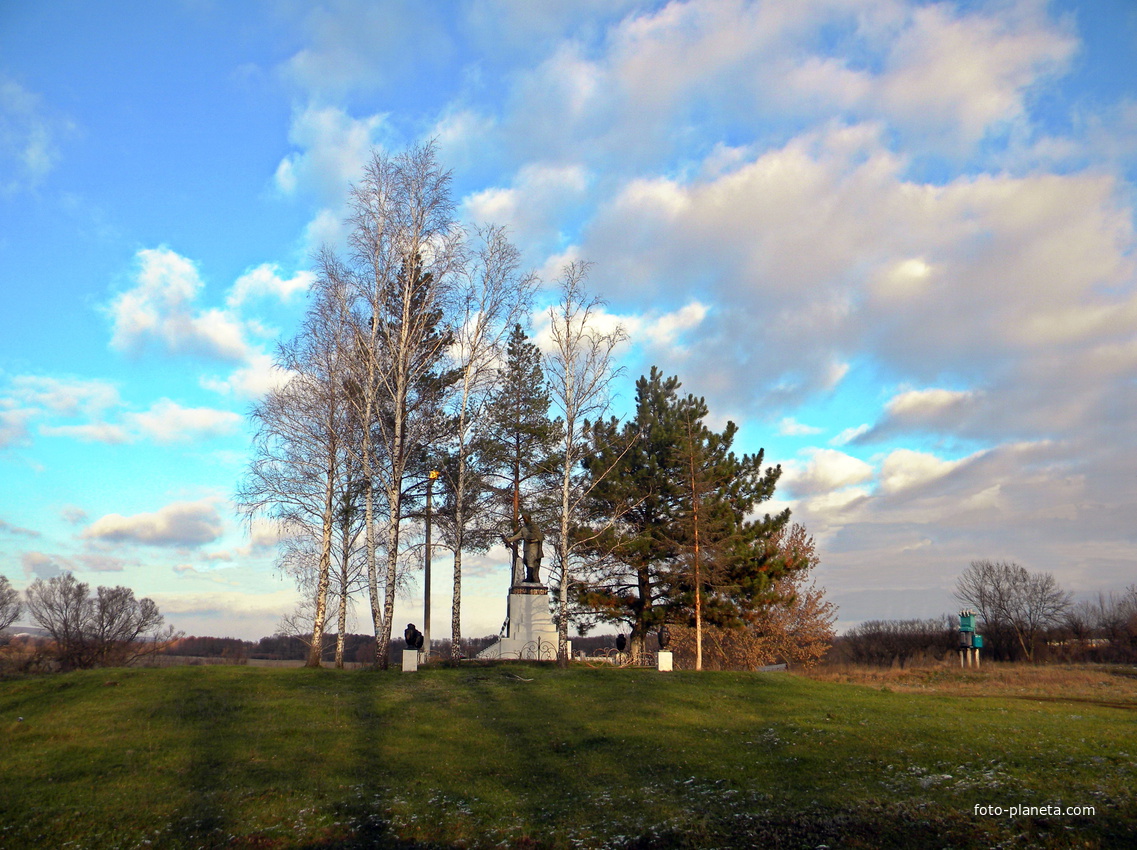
(962, 74)
(824, 470)
(180, 524)
(333, 149)
(168, 422)
(28, 398)
(536, 207)
(251, 381)
(790, 427)
(904, 468)
(266, 281)
(164, 422)
(161, 310)
(64, 396)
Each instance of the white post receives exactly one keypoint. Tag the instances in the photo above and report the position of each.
(665, 661)
(410, 660)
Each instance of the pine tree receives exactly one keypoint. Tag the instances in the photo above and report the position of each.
(676, 500)
(517, 439)
(634, 496)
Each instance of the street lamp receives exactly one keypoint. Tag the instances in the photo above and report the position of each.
(426, 576)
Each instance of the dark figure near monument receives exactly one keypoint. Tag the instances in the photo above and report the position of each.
(621, 643)
(664, 636)
(534, 550)
(413, 637)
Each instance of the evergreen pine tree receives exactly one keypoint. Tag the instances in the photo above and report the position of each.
(670, 502)
(517, 438)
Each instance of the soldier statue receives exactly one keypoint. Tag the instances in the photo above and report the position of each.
(533, 539)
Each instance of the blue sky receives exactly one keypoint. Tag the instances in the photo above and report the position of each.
(893, 240)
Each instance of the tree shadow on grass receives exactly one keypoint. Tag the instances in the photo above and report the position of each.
(379, 712)
(209, 711)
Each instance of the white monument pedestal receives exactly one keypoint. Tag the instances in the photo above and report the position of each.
(665, 661)
(410, 660)
(532, 634)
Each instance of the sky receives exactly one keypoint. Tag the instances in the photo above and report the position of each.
(892, 240)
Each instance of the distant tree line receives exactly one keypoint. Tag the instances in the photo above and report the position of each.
(1021, 615)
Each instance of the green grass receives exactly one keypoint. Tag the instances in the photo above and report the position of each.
(532, 756)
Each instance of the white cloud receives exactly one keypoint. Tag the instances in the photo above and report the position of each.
(665, 329)
(178, 524)
(903, 469)
(168, 422)
(265, 281)
(535, 206)
(14, 426)
(790, 427)
(962, 74)
(252, 381)
(65, 396)
(160, 309)
(164, 422)
(921, 405)
(824, 470)
(849, 434)
(31, 397)
(333, 149)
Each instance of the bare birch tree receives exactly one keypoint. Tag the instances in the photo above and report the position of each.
(405, 251)
(299, 448)
(493, 296)
(580, 374)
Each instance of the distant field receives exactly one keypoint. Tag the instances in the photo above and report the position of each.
(531, 756)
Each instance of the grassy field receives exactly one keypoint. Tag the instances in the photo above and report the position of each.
(531, 756)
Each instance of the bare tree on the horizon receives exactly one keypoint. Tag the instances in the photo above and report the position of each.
(9, 603)
(1013, 601)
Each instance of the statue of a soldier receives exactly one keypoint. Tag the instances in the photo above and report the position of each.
(533, 539)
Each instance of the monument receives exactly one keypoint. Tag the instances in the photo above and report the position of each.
(529, 631)
(412, 654)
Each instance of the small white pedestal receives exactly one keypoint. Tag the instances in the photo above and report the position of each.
(410, 660)
(665, 661)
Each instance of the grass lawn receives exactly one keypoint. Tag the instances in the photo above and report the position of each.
(532, 756)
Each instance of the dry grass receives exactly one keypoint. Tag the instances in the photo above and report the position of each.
(1114, 685)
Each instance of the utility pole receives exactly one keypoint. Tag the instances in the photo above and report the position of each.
(426, 577)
